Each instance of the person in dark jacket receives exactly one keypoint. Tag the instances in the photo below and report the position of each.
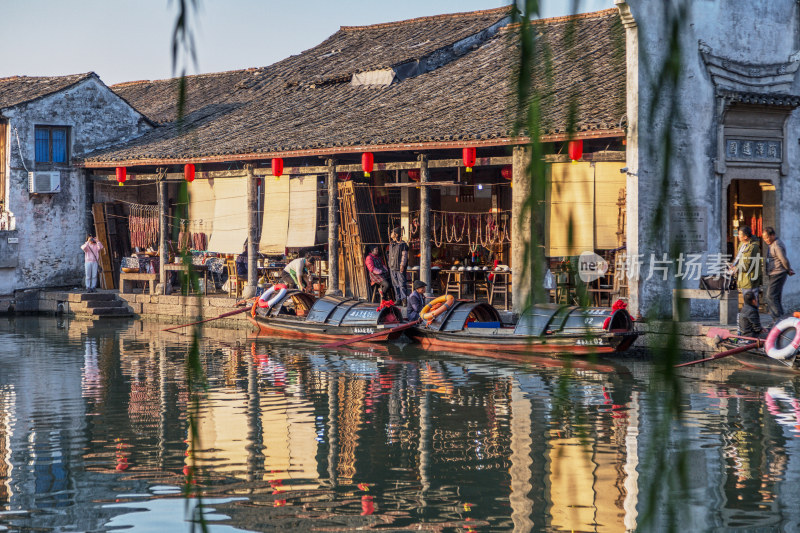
(749, 318)
(777, 268)
(398, 262)
(416, 301)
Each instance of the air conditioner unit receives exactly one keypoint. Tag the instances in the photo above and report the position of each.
(44, 182)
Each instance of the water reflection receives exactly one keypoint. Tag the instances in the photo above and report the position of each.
(94, 436)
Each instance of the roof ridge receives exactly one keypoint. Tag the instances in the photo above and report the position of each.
(190, 76)
(564, 18)
(463, 14)
(24, 77)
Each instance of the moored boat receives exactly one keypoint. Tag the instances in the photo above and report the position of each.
(545, 328)
(299, 315)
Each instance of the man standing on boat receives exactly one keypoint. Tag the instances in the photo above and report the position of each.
(398, 262)
(293, 274)
(777, 268)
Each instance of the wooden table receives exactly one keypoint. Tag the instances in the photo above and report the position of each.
(461, 279)
(198, 269)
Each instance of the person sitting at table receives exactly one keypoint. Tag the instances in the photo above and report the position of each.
(416, 301)
(378, 273)
(296, 274)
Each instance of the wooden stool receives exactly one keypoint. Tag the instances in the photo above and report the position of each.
(483, 285)
(500, 287)
(453, 284)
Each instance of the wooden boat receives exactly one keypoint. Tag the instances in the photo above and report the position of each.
(546, 328)
(299, 315)
(757, 359)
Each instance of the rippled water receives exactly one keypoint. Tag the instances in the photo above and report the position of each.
(94, 437)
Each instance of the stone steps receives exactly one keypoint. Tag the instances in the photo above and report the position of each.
(98, 305)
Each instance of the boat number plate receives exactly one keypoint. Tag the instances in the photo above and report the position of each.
(364, 330)
(596, 341)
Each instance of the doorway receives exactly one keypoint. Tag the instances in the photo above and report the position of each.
(750, 203)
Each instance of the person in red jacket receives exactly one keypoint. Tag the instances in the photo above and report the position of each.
(378, 273)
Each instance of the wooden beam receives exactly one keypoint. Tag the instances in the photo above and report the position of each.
(427, 184)
(300, 171)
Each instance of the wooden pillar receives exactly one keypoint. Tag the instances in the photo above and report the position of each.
(522, 254)
(405, 207)
(163, 227)
(252, 234)
(333, 230)
(424, 225)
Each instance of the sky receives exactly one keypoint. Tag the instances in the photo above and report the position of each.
(127, 40)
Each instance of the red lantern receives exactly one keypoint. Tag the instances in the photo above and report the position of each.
(575, 150)
(277, 167)
(122, 174)
(507, 172)
(367, 162)
(188, 172)
(344, 176)
(468, 155)
(414, 174)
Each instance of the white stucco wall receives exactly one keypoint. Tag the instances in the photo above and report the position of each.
(51, 228)
(757, 32)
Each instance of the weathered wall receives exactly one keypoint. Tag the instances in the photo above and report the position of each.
(52, 227)
(686, 171)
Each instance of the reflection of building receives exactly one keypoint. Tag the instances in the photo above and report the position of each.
(6, 416)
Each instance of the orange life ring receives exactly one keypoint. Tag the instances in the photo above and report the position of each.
(427, 314)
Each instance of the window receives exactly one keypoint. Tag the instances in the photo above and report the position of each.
(51, 144)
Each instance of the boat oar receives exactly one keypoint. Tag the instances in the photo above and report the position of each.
(724, 334)
(223, 315)
(732, 351)
(351, 340)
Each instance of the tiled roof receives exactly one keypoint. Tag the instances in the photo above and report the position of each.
(17, 90)
(465, 100)
(350, 50)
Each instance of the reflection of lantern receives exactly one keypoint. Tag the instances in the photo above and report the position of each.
(188, 172)
(122, 174)
(367, 162)
(575, 150)
(414, 174)
(277, 167)
(468, 155)
(507, 172)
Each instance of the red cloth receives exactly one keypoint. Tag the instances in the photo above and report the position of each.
(385, 304)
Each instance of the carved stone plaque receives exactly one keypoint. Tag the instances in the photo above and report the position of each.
(689, 228)
(762, 151)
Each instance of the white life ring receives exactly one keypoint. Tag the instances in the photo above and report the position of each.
(279, 290)
(790, 349)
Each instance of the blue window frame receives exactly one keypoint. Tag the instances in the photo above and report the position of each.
(52, 144)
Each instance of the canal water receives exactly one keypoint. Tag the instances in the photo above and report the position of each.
(95, 436)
